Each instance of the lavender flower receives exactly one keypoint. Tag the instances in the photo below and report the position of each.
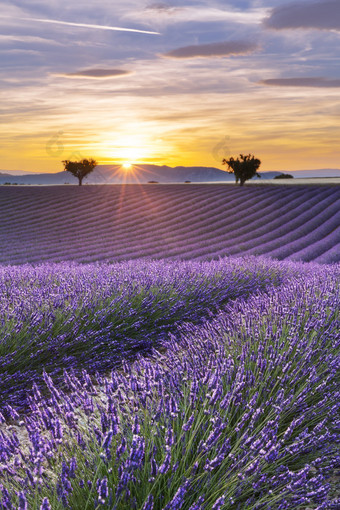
(22, 501)
(218, 503)
(165, 466)
(45, 505)
(178, 499)
(187, 426)
(148, 505)
(102, 489)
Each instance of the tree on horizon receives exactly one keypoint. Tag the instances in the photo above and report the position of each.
(244, 168)
(80, 169)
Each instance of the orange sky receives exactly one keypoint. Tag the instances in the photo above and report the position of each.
(215, 82)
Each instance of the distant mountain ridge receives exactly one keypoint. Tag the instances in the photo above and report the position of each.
(115, 174)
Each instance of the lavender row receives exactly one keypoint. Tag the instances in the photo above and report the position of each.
(67, 316)
(239, 413)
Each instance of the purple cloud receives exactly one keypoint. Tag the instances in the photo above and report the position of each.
(98, 73)
(302, 82)
(218, 49)
(322, 15)
(160, 7)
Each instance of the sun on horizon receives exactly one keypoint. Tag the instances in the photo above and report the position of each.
(127, 165)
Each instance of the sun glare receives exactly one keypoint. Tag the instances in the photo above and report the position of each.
(127, 165)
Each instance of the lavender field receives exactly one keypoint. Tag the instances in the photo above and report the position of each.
(201, 222)
(143, 368)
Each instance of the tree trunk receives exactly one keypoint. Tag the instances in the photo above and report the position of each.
(80, 181)
(242, 182)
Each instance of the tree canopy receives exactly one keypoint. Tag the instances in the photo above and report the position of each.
(80, 169)
(244, 167)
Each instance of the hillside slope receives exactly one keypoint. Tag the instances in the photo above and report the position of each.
(112, 223)
(139, 174)
(143, 173)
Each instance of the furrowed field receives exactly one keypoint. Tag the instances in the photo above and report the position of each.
(113, 223)
(169, 347)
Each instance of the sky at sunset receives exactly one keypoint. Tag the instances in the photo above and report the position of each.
(176, 82)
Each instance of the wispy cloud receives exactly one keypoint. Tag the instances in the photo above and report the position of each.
(87, 25)
(162, 8)
(97, 73)
(322, 15)
(317, 81)
(218, 49)
(161, 12)
(27, 39)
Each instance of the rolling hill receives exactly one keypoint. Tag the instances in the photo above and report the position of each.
(114, 174)
(202, 222)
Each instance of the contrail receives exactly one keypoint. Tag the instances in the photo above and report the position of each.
(85, 25)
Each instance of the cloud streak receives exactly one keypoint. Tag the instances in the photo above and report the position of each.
(167, 14)
(97, 73)
(322, 15)
(162, 8)
(218, 49)
(86, 25)
(316, 81)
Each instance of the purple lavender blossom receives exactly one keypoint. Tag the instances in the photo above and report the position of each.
(218, 503)
(165, 466)
(45, 505)
(148, 505)
(22, 501)
(103, 491)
